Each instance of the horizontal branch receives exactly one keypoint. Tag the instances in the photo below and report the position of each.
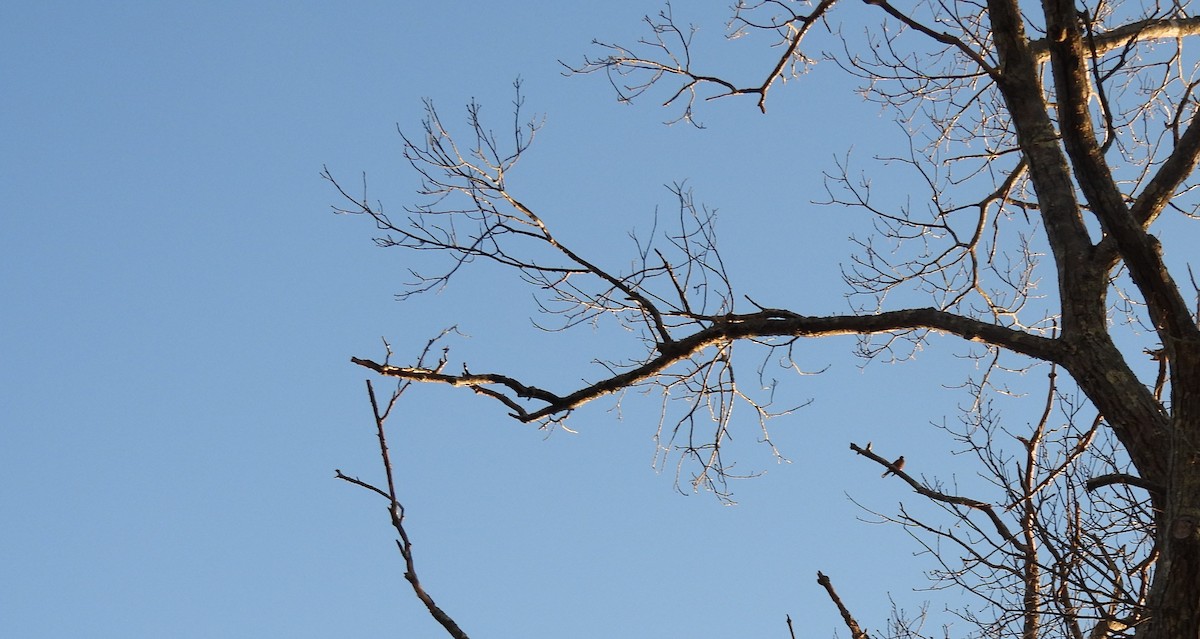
(1126, 479)
(724, 329)
(1128, 34)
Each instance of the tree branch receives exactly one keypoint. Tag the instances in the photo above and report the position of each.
(1020, 84)
(670, 55)
(1123, 478)
(944, 498)
(1170, 176)
(856, 631)
(396, 511)
(1129, 34)
(725, 329)
(1168, 309)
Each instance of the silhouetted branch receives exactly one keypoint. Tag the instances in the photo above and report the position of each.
(856, 632)
(396, 512)
(1123, 478)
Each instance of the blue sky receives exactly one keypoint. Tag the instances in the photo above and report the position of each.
(182, 307)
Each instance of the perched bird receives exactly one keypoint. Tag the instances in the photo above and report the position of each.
(896, 466)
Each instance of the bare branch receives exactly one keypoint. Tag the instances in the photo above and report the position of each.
(1147, 30)
(669, 55)
(1123, 478)
(396, 511)
(723, 330)
(856, 631)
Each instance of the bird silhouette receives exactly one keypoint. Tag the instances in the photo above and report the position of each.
(895, 466)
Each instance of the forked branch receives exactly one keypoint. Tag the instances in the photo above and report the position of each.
(668, 54)
(396, 512)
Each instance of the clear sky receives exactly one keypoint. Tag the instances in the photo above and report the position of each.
(181, 306)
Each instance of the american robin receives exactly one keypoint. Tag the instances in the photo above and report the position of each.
(896, 466)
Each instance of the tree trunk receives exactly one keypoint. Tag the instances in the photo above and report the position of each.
(1175, 594)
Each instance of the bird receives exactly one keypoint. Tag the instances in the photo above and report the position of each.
(895, 466)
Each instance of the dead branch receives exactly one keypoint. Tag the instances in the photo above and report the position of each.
(856, 632)
(397, 513)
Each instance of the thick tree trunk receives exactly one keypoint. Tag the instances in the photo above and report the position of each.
(1175, 595)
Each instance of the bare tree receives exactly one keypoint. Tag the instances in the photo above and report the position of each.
(1035, 131)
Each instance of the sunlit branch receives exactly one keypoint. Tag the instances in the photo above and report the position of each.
(770, 323)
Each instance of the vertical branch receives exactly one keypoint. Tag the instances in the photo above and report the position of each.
(380, 418)
(396, 510)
